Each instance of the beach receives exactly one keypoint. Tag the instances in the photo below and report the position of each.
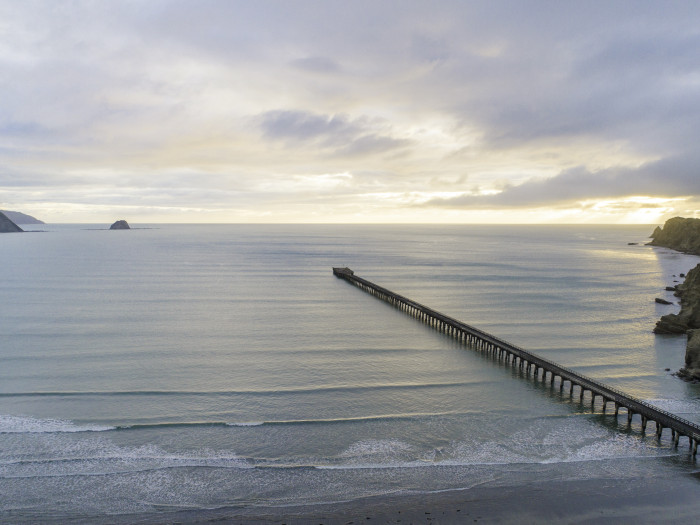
(575, 502)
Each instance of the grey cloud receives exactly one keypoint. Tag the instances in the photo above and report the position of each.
(98, 84)
(338, 133)
(14, 177)
(317, 64)
(672, 177)
(21, 129)
(372, 143)
(573, 71)
(302, 125)
(429, 49)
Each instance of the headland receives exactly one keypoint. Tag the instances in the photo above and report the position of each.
(680, 234)
(683, 235)
(7, 226)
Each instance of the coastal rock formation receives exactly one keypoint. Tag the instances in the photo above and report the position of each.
(692, 357)
(120, 225)
(679, 234)
(7, 226)
(689, 316)
(21, 218)
(686, 321)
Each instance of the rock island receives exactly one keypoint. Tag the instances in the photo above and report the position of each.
(120, 225)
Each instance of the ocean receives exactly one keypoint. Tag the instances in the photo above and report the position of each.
(174, 368)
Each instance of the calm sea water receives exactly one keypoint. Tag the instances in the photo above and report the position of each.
(208, 366)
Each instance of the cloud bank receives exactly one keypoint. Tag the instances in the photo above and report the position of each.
(350, 111)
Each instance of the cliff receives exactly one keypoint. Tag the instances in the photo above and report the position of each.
(691, 371)
(21, 218)
(689, 316)
(679, 234)
(7, 226)
(683, 235)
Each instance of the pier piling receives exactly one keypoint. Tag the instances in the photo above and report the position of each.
(521, 358)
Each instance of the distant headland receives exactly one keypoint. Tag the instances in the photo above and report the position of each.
(21, 218)
(679, 234)
(7, 225)
(683, 235)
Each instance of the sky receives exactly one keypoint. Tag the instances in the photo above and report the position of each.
(350, 111)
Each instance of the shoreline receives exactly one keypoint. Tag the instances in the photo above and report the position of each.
(641, 500)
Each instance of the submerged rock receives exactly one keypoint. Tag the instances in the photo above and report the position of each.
(7, 226)
(679, 234)
(120, 225)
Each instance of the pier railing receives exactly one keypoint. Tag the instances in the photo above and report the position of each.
(527, 360)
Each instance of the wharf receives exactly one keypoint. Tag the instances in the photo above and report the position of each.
(532, 363)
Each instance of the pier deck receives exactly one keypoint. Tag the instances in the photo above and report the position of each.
(530, 362)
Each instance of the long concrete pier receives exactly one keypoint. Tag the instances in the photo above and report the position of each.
(534, 364)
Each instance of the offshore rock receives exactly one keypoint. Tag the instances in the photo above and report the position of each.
(689, 316)
(120, 225)
(662, 301)
(679, 234)
(7, 226)
(692, 357)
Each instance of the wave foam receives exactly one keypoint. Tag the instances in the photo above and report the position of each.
(545, 441)
(51, 455)
(29, 425)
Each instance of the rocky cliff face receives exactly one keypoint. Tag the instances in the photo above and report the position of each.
(683, 235)
(691, 370)
(7, 226)
(678, 234)
(689, 316)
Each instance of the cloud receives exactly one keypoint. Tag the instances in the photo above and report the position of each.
(11, 129)
(344, 136)
(671, 177)
(507, 104)
(317, 64)
(303, 126)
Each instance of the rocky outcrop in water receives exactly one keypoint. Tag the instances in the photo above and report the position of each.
(120, 225)
(679, 234)
(683, 235)
(7, 226)
(689, 316)
(691, 370)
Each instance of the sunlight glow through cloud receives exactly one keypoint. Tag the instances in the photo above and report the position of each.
(363, 112)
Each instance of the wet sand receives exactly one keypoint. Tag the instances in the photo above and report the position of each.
(647, 500)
